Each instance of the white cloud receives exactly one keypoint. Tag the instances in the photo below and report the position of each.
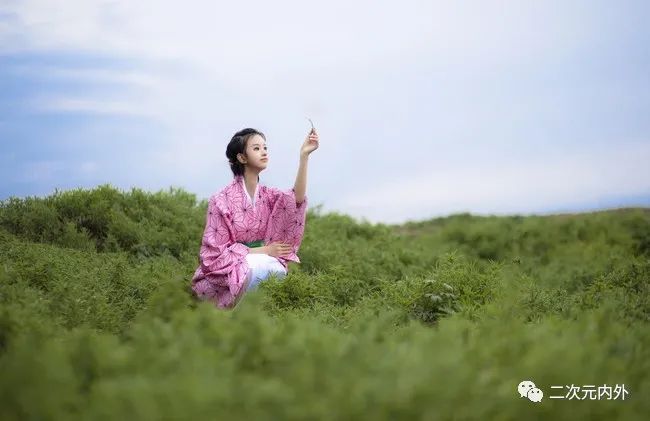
(132, 79)
(502, 185)
(383, 81)
(92, 106)
(239, 42)
(88, 167)
(44, 170)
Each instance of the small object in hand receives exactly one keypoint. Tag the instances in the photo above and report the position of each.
(312, 125)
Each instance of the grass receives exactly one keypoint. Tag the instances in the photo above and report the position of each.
(434, 319)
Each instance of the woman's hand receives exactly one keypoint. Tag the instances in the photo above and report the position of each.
(278, 249)
(311, 143)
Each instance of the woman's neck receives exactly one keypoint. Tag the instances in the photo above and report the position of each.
(250, 180)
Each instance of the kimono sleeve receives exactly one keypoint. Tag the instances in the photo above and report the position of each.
(286, 198)
(287, 221)
(220, 253)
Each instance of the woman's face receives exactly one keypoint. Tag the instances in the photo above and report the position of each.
(257, 152)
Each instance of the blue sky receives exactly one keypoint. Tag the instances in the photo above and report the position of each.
(423, 108)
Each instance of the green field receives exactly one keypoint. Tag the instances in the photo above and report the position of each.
(439, 319)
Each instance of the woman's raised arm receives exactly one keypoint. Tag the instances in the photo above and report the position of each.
(309, 146)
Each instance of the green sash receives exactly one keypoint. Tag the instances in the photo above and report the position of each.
(258, 243)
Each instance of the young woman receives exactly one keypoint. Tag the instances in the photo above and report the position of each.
(251, 230)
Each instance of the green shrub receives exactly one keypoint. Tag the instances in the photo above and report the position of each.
(436, 319)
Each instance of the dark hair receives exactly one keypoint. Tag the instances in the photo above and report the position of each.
(238, 145)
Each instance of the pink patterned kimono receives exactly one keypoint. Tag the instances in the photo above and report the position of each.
(233, 219)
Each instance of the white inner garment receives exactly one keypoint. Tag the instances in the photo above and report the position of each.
(250, 199)
(261, 266)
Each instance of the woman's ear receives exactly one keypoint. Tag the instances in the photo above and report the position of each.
(240, 158)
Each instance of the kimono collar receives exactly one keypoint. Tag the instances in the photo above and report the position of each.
(242, 183)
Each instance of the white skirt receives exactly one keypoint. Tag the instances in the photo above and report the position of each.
(261, 266)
